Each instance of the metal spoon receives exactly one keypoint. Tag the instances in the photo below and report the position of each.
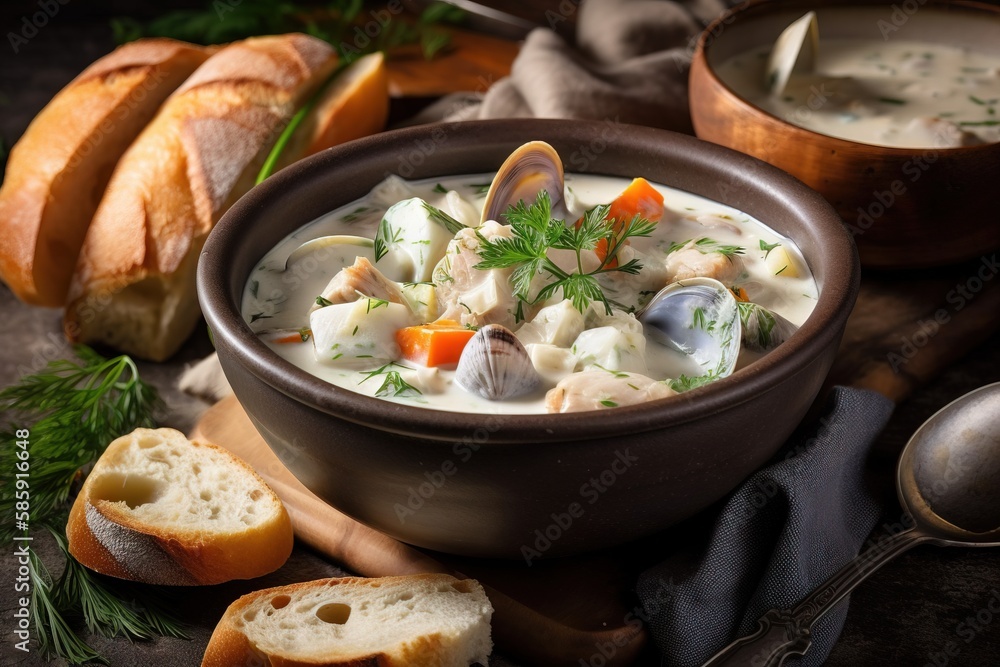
(948, 480)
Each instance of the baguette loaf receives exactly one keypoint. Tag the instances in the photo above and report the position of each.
(424, 620)
(58, 170)
(354, 105)
(160, 509)
(134, 286)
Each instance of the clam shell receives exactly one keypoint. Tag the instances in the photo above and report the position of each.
(763, 330)
(495, 365)
(698, 317)
(533, 167)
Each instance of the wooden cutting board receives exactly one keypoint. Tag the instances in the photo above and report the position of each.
(549, 615)
(565, 611)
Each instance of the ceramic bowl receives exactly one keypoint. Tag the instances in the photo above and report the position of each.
(516, 485)
(905, 207)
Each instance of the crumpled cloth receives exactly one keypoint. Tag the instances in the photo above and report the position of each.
(630, 63)
(778, 536)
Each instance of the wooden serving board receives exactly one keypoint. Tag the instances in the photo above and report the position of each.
(563, 611)
(543, 616)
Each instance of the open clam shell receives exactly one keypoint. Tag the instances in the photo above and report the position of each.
(763, 330)
(698, 317)
(533, 167)
(495, 365)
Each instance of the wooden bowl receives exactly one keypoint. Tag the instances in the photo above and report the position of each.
(905, 207)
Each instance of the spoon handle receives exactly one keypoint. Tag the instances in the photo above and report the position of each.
(781, 633)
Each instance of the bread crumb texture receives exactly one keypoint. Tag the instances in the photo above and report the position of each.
(433, 620)
(161, 479)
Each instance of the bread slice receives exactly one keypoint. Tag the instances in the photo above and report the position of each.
(134, 287)
(422, 620)
(58, 170)
(354, 105)
(160, 509)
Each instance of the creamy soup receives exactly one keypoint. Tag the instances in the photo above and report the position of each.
(888, 93)
(310, 304)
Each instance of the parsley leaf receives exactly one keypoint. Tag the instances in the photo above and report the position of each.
(535, 232)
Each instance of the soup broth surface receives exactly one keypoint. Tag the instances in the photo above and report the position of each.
(273, 300)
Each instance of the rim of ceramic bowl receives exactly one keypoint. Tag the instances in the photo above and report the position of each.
(219, 295)
(754, 8)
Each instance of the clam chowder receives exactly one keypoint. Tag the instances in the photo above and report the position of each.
(411, 294)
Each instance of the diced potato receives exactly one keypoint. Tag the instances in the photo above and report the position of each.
(360, 333)
(411, 227)
(625, 322)
(557, 325)
(611, 349)
(552, 363)
(422, 298)
(781, 262)
(425, 380)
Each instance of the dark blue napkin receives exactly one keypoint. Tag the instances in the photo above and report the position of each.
(782, 532)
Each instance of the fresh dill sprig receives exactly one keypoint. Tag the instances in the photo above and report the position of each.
(76, 409)
(706, 245)
(393, 383)
(768, 247)
(54, 635)
(104, 607)
(219, 23)
(685, 383)
(443, 219)
(535, 232)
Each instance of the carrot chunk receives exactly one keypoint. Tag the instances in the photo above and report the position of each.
(436, 344)
(639, 198)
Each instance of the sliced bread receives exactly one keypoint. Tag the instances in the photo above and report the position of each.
(423, 620)
(59, 168)
(160, 509)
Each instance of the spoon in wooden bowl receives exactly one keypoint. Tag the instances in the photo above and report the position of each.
(948, 481)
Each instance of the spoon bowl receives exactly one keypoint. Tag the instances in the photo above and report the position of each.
(948, 477)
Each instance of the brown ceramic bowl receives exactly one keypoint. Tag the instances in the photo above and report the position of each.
(905, 207)
(484, 485)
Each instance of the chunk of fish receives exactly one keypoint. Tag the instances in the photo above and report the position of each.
(690, 262)
(471, 296)
(597, 390)
(361, 278)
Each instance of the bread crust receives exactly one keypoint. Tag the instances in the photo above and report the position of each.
(230, 647)
(105, 537)
(134, 287)
(59, 168)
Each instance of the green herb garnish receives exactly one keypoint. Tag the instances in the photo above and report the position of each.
(980, 123)
(323, 302)
(480, 188)
(221, 22)
(609, 403)
(443, 219)
(706, 245)
(535, 232)
(768, 247)
(685, 383)
(892, 100)
(393, 383)
(441, 189)
(76, 409)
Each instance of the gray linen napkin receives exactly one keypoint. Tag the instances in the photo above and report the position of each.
(630, 63)
(781, 533)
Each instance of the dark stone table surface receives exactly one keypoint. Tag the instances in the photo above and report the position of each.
(929, 607)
